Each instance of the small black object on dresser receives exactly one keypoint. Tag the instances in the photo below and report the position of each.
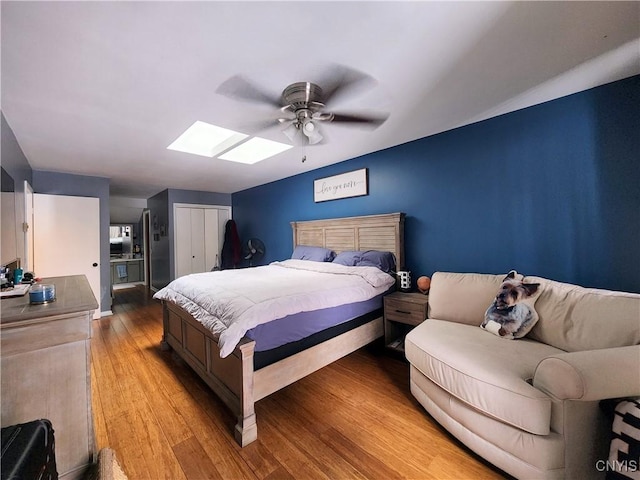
(28, 451)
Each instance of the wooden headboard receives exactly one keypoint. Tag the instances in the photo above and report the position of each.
(371, 232)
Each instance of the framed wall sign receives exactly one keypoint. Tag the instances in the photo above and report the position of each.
(345, 185)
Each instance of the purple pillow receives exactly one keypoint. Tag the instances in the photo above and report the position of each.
(316, 254)
(348, 258)
(385, 261)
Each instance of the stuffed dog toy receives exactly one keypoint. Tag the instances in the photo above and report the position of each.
(511, 315)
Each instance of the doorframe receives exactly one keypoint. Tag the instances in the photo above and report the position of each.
(27, 227)
(146, 234)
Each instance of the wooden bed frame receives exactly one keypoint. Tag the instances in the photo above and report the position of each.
(233, 378)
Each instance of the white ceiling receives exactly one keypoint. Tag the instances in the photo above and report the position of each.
(102, 88)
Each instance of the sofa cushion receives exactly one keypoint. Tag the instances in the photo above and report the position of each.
(462, 297)
(483, 371)
(575, 318)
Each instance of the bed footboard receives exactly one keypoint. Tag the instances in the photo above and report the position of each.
(231, 378)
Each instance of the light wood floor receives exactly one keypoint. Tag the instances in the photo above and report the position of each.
(353, 419)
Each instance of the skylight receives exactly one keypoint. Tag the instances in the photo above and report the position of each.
(208, 140)
(255, 150)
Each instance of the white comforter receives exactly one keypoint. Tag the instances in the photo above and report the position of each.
(230, 302)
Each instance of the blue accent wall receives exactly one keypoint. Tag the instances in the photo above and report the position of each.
(551, 190)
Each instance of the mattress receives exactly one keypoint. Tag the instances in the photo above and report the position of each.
(267, 357)
(301, 325)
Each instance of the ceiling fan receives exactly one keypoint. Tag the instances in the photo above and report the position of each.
(303, 105)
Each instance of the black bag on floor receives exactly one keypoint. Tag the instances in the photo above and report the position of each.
(28, 451)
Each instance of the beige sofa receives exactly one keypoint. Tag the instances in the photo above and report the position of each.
(529, 406)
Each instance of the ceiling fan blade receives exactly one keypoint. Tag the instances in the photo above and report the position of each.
(257, 126)
(370, 121)
(239, 88)
(341, 80)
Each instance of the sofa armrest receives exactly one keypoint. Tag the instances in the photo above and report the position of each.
(590, 375)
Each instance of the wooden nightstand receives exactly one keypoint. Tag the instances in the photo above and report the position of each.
(402, 312)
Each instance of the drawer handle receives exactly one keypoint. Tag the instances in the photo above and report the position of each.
(403, 312)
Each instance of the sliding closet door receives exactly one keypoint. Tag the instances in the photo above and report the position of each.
(182, 220)
(199, 234)
(212, 246)
(198, 263)
(66, 238)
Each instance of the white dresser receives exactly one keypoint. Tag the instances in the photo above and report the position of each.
(45, 363)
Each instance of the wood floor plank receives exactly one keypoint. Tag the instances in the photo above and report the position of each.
(139, 434)
(99, 424)
(194, 461)
(282, 474)
(174, 427)
(355, 418)
(363, 461)
(221, 449)
(107, 382)
(308, 437)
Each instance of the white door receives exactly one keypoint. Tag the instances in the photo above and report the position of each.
(197, 240)
(224, 214)
(182, 219)
(193, 250)
(66, 238)
(212, 246)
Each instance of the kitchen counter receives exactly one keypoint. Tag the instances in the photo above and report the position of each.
(126, 270)
(118, 260)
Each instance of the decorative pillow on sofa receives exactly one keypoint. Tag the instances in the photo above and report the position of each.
(316, 254)
(512, 313)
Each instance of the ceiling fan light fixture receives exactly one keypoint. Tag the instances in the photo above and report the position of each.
(291, 132)
(308, 127)
(311, 131)
(315, 138)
